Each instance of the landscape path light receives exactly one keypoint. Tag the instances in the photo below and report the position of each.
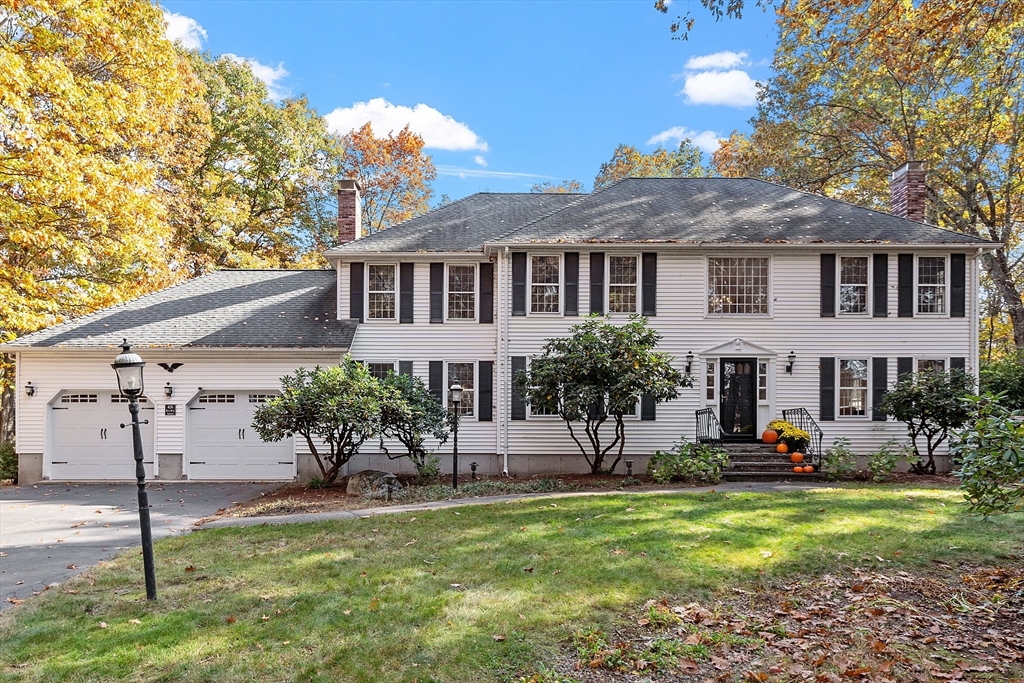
(456, 398)
(128, 367)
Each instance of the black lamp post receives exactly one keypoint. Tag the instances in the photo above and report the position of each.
(128, 366)
(456, 395)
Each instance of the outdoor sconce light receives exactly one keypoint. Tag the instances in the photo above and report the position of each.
(473, 467)
(456, 397)
(689, 362)
(30, 390)
(168, 390)
(792, 359)
(629, 468)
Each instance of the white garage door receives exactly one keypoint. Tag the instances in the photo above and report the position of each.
(223, 445)
(88, 443)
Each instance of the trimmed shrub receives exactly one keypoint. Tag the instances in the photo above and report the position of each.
(688, 462)
(8, 461)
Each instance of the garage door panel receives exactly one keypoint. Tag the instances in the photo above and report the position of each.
(88, 443)
(222, 443)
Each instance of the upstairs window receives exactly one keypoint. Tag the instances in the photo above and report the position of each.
(853, 284)
(853, 387)
(461, 292)
(737, 286)
(622, 283)
(544, 284)
(381, 289)
(931, 284)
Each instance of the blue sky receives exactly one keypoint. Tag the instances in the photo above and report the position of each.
(506, 94)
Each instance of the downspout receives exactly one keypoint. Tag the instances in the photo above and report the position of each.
(976, 314)
(504, 387)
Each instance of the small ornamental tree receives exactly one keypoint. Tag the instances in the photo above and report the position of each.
(597, 374)
(931, 403)
(334, 409)
(990, 450)
(417, 415)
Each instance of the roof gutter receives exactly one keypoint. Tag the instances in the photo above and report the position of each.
(687, 246)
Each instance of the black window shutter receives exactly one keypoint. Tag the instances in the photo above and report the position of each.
(355, 291)
(518, 283)
(405, 292)
(905, 271)
(904, 366)
(828, 285)
(437, 292)
(648, 408)
(957, 286)
(485, 395)
(487, 292)
(880, 285)
(597, 282)
(957, 363)
(649, 291)
(572, 283)
(518, 404)
(405, 367)
(827, 393)
(879, 381)
(435, 382)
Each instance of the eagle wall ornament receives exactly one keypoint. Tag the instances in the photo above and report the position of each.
(170, 368)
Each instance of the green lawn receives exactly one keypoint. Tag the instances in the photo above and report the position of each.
(373, 599)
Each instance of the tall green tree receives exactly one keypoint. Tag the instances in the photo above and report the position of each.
(629, 162)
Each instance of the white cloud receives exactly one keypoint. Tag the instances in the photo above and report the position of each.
(460, 172)
(438, 130)
(480, 161)
(184, 30)
(734, 88)
(718, 60)
(706, 140)
(270, 75)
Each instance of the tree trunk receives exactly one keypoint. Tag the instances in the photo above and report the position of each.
(999, 270)
(7, 389)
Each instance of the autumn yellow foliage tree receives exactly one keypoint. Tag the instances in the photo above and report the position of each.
(629, 162)
(564, 187)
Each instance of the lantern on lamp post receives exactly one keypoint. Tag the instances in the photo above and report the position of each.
(128, 367)
(456, 398)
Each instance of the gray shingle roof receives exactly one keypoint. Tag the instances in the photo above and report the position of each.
(464, 225)
(225, 309)
(723, 210)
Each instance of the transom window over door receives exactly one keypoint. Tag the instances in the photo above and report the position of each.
(463, 374)
(853, 387)
(622, 282)
(853, 284)
(461, 292)
(544, 284)
(738, 286)
(381, 290)
(931, 284)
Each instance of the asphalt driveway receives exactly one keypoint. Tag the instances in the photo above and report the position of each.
(50, 532)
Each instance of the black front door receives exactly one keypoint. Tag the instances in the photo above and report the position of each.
(737, 397)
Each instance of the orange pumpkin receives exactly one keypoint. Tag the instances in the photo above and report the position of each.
(770, 436)
(796, 457)
(782, 448)
(808, 468)
(798, 469)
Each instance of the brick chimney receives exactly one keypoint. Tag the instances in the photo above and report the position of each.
(349, 211)
(907, 191)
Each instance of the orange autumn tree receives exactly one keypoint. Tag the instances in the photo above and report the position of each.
(394, 175)
(629, 162)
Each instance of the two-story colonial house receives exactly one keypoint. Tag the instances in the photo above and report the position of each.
(772, 300)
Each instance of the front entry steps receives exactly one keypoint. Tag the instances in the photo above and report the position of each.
(755, 461)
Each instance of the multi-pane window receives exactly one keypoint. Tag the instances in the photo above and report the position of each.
(931, 284)
(380, 370)
(461, 292)
(381, 289)
(738, 286)
(544, 284)
(622, 281)
(463, 374)
(711, 381)
(853, 387)
(926, 364)
(853, 284)
(762, 381)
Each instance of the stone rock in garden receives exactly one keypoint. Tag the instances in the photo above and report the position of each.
(373, 484)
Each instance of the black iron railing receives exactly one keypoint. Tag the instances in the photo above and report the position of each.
(709, 429)
(801, 419)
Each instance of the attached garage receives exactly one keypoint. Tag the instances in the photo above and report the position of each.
(222, 444)
(88, 443)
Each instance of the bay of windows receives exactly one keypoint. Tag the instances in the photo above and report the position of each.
(738, 286)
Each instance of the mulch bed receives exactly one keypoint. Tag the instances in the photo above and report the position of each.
(947, 624)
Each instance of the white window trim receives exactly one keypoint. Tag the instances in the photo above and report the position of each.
(366, 294)
(742, 316)
(476, 294)
(608, 283)
(869, 291)
(446, 389)
(529, 285)
(868, 408)
(945, 287)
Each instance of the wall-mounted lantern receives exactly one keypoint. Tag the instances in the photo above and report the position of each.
(792, 359)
